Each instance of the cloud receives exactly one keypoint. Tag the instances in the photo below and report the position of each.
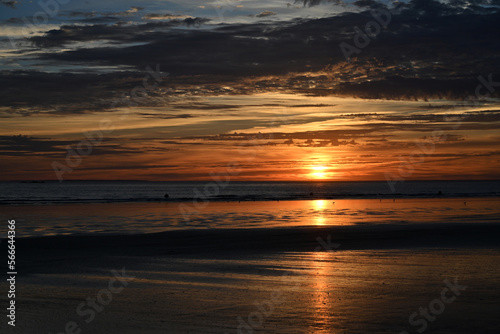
(429, 50)
(266, 13)
(155, 16)
(90, 14)
(79, 13)
(23, 145)
(312, 3)
(14, 20)
(9, 3)
(26, 145)
(300, 56)
(149, 32)
(305, 45)
(60, 93)
(166, 116)
(369, 4)
(418, 7)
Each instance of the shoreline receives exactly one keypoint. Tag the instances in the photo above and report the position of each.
(231, 199)
(147, 218)
(246, 242)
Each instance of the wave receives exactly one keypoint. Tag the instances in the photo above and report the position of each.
(122, 192)
(240, 198)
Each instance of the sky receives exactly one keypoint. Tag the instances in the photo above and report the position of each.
(250, 90)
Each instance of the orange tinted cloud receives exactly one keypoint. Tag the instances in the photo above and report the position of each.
(268, 136)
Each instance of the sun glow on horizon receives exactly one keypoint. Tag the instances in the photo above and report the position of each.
(318, 172)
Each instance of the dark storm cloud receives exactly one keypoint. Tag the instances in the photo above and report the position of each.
(14, 20)
(79, 14)
(476, 117)
(311, 3)
(376, 131)
(266, 13)
(101, 19)
(262, 49)
(91, 17)
(22, 145)
(207, 106)
(9, 3)
(167, 16)
(429, 50)
(231, 50)
(369, 4)
(431, 7)
(165, 116)
(328, 135)
(129, 12)
(127, 166)
(78, 93)
(118, 33)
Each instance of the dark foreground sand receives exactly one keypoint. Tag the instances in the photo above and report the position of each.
(282, 280)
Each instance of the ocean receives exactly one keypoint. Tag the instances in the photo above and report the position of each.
(125, 207)
(52, 192)
(242, 257)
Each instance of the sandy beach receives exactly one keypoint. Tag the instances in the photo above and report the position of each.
(161, 216)
(334, 279)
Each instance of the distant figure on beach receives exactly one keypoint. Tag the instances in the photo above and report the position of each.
(465, 203)
(166, 195)
(440, 193)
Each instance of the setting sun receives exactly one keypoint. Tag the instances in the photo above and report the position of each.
(318, 172)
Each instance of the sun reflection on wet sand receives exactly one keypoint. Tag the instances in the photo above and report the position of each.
(322, 299)
(158, 217)
(319, 217)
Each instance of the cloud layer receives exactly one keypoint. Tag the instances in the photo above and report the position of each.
(195, 89)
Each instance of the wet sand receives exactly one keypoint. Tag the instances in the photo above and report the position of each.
(280, 280)
(137, 218)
